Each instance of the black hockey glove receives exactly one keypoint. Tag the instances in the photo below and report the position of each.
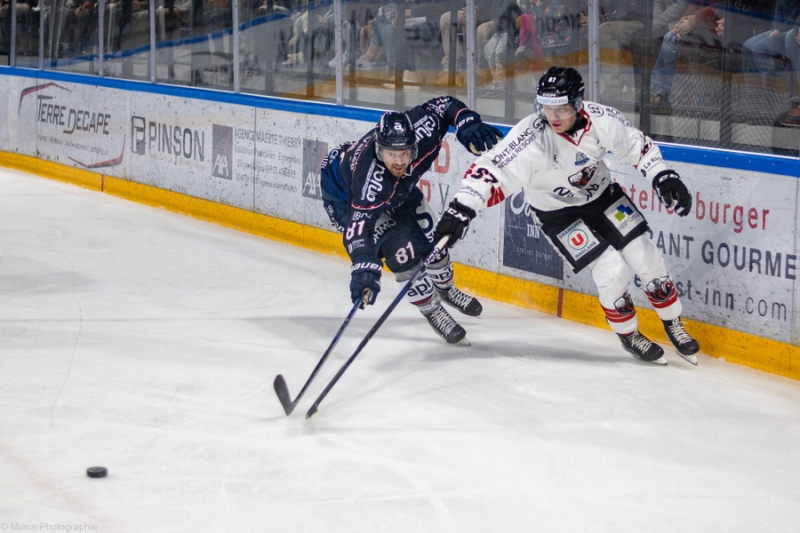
(474, 134)
(454, 223)
(672, 192)
(365, 274)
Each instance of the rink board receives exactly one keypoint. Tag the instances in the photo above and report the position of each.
(734, 259)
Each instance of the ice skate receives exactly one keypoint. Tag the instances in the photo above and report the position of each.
(680, 338)
(465, 303)
(643, 348)
(443, 324)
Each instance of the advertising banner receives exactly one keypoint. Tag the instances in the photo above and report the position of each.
(78, 125)
(5, 87)
(287, 167)
(190, 147)
(734, 259)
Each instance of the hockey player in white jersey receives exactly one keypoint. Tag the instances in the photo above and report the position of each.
(557, 157)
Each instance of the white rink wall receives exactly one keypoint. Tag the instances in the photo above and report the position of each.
(734, 259)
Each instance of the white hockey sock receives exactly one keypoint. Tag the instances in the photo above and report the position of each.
(662, 294)
(441, 273)
(421, 292)
(622, 316)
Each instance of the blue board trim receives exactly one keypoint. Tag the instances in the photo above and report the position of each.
(771, 164)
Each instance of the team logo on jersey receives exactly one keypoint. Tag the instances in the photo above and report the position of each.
(595, 109)
(624, 216)
(581, 159)
(384, 224)
(617, 115)
(439, 105)
(583, 177)
(424, 127)
(578, 240)
(374, 184)
(647, 144)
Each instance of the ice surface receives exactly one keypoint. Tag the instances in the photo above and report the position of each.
(147, 342)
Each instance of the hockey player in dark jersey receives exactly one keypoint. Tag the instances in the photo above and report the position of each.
(370, 193)
(557, 157)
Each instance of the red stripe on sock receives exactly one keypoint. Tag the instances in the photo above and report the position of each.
(615, 316)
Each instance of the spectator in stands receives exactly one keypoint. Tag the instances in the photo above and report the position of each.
(483, 33)
(365, 33)
(745, 19)
(120, 13)
(552, 19)
(312, 34)
(27, 22)
(381, 40)
(767, 52)
(414, 43)
(268, 7)
(530, 47)
(503, 42)
(349, 33)
(625, 23)
(703, 27)
(297, 40)
(83, 28)
(666, 13)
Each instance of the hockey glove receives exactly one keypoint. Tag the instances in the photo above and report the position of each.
(365, 274)
(672, 192)
(454, 223)
(474, 134)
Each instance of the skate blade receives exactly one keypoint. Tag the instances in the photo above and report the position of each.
(660, 361)
(463, 342)
(691, 358)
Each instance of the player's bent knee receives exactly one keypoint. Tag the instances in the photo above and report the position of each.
(406, 273)
(645, 259)
(610, 273)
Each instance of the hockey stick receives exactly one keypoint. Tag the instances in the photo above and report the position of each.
(436, 250)
(280, 386)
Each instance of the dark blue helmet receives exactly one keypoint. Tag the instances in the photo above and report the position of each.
(395, 132)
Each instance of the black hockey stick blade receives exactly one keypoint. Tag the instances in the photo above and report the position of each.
(436, 250)
(280, 386)
(282, 390)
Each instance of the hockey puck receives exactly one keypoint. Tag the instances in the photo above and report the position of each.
(97, 471)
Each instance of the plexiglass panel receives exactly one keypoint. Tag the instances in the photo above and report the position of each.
(516, 42)
(70, 36)
(27, 32)
(718, 74)
(286, 49)
(195, 43)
